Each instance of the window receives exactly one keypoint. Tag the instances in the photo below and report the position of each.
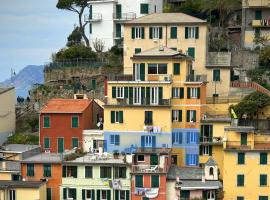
(115, 140)
(191, 159)
(154, 95)
(75, 121)
(191, 52)
(173, 32)
(46, 122)
(105, 172)
(174, 160)
(90, 28)
(206, 133)
(263, 179)
(116, 116)
(49, 193)
(60, 145)
(88, 194)
(71, 193)
(105, 194)
(205, 150)
(124, 195)
(75, 142)
(178, 93)
(88, 172)
(138, 50)
(94, 84)
(119, 92)
(137, 32)
(177, 115)
(120, 172)
(154, 181)
(193, 93)
(211, 171)
(191, 115)
(140, 158)
(148, 117)
(240, 180)
(216, 75)
(241, 158)
(155, 32)
(263, 158)
(139, 181)
(258, 14)
(177, 137)
(69, 171)
(137, 95)
(176, 68)
(12, 195)
(144, 8)
(240, 198)
(148, 141)
(157, 68)
(47, 170)
(192, 137)
(46, 143)
(263, 197)
(30, 169)
(192, 32)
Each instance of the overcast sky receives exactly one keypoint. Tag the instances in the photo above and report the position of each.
(30, 30)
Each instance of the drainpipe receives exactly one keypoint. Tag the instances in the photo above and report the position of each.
(166, 38)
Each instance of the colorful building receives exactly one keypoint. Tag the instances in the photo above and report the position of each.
(44, 166)
(96, 176)
(158, 106)
(149, 170)
(7, 113)
(110, 15)
(255, 21)
(62, 122)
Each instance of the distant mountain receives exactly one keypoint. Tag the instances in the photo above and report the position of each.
(24, 80)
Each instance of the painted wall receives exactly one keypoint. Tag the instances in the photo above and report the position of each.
(171, 193)
(7, 114)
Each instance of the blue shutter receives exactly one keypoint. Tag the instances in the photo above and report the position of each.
(117, 140)
(105, 145)
(142, 141)
(188, 137)
(154, 141)
(173, 137)
(111, 139)
(187, 159)
(180, 137)
(196, 137)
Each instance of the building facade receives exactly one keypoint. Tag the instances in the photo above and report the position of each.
(106, 18)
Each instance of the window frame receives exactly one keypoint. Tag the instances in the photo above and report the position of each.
(140, 160)
(47, 173)
(206, 150)
(75, 117)
(49, 122)
(113, 140)
(30, 167)
(120, 93)
(157, 67)
(49, 140)
(85, 170)
(107, 174)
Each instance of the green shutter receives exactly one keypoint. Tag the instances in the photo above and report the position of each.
(160, 33)
(64, 193)
(263, 158)
(93, 194)
(138, 50)
(198, 93)
(197, 32)
(142, 29)
(160, 94)
(126, 92)
(194, 117)
(139, 181)
(147, 95)
(182, 91)
(173, 32)
(176, 68)
(188, 93)
(144, 8)
(179, 115)
(155, 181)
(118, 11)
(240, 180)
(258, 14)
(241, 158)
(188, 115)
(46, 122)
(75, 142)
(216, 75)
(98, 194)
(151, 33)
(46, 143)
(60, 144)
(263, 180)
(83, 194)
(94, 84)
(49, 193)
(113, 92)
(133, 32)
(142, 71)
(108, 194)
(75, 121)
(191, 52)
(186, 32)
(120, 116)
(210, 150)
(143, 95)
(112, 116)
(116, 194)
(130, 96)
(127, 195)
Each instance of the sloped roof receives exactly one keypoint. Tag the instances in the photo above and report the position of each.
(188, 185)
(65, 106)
(166, 18)
(185, 173)
(210, 162)
(21, 184)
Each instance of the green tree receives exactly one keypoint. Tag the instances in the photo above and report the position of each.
(77, 6)
(75, 38)
(264, 56)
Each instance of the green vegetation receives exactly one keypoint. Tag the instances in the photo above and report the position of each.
(20, 138)
(264, 57)
(75, 38)
(257, 75)
(251, 104)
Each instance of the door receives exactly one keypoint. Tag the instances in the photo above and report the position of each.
(153, 159)
(60, 145)
(118, 11)
(243, 138)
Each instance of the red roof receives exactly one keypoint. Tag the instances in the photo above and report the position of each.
(66, 106)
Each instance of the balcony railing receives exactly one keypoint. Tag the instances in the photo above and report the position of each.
(148, 169)
(95, 17)
(118, 34)
(143, 102)
(196, 78)
(124, 16)
(238, 146)
(260, 124)
(120, 78)
(214, 140)
(256, 3)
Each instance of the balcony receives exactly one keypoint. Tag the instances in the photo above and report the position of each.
(150, 193)
(95, 17)
(120, 78)
(236, 145)
(144, 102)
(260, 124)
(196, 78)
(149, 78)
(124, 16)
(261, 23)
(148, 169)
(118, 35)
(211, 140)
(256, 3)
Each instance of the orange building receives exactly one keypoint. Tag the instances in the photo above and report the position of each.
(41, 167)
(62, 122)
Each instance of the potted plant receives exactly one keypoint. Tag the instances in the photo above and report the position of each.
(115, 154)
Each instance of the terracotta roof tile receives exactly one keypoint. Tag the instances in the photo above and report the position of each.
(65, 106)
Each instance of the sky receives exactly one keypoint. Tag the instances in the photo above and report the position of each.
(30, 31)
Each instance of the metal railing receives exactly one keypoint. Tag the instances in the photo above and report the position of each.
(124, 16)
(196, 78)
(148, 169)
(93, 17)
(238, 145)
(260, 124)
(120, 78)
(143, 102)
(204, 139)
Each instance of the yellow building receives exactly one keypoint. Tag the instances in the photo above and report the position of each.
(177, 31)
(158, 105)
(255, 21)
(7, 112)
(22, 190)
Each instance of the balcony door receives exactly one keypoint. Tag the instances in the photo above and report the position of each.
(139, 71)
(243, 138)
(154, 95)
(153, 159)
(60, 145)
(118, 11)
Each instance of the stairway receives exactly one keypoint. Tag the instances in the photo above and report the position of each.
(250, 85)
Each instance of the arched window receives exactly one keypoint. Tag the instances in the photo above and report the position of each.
(211, 171)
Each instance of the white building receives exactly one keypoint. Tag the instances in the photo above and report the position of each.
(106, 17)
